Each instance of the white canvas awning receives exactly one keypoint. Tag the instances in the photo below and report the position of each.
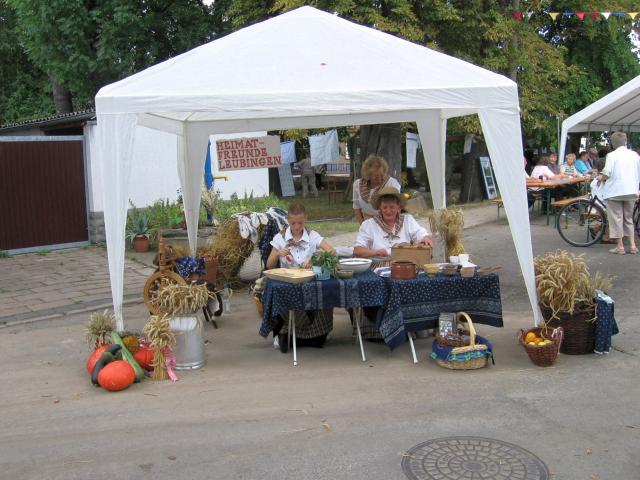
(619, 110)
(306, 69)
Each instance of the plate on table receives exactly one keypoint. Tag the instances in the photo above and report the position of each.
(290, 275)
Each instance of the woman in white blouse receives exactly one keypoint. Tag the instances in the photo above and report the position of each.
(389, 227)
(374, 176)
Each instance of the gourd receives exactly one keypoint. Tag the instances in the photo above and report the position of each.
(116, 376)
(144, 357)
(94, 357)
(128, 357)
(107, 356)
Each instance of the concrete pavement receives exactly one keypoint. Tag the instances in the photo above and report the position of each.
(250, 414)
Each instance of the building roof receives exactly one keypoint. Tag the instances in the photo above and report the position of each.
(51, 121)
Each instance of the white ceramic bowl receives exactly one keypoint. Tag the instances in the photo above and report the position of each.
(355, 265)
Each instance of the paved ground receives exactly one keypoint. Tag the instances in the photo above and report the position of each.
(249, 414)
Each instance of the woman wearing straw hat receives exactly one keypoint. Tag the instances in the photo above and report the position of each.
(389, 227)
(375, 175)
(378, 234)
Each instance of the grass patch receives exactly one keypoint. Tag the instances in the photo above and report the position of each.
(320, 208)
(42, 253)
(327, 229)
(4, 254)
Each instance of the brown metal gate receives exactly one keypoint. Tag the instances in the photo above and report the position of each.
(42, 193)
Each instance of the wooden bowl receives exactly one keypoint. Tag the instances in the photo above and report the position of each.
(403, 270)
(344, 274)
(431, 268)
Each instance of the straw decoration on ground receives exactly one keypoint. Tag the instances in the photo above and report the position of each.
(449, 223)
(179, 299)
(161, 339)
(100, 326)
(230, 248)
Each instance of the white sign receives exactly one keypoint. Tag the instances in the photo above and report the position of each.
(246, 153)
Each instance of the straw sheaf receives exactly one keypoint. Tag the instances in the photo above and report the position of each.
(230, 248)
(449, 223)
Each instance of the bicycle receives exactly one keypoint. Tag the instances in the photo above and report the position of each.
(582, 222)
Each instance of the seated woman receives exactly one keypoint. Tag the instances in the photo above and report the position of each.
(542, 171)
(293, 247)
(378, 234)
(569, 167)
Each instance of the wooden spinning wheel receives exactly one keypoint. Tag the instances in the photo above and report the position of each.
(160, 279)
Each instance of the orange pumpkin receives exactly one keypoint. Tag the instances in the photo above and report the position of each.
(144, 357)
(116, 376)
(95, 356)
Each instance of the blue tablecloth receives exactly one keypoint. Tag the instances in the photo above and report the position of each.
(406, 305)
(416, 304)
(363, 290)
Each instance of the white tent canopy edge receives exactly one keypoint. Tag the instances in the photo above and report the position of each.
(618, 110)
(494, 99)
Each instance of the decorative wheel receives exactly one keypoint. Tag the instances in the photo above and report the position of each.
(157, 282)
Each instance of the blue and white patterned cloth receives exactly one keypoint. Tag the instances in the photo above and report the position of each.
(407, 305)
(188, 265)
(417, 303)
(606, 325)
(363, 290)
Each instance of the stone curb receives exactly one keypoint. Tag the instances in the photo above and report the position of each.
(65, 311)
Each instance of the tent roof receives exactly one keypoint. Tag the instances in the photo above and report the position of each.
(619, 110)
(306, 62)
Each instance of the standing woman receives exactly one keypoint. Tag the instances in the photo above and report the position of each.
(621, 175)
(374, 176)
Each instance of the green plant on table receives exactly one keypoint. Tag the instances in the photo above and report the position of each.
(326, 260)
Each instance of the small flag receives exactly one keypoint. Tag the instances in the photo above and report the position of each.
(517, 16)
(554, 15)
(606, 15)
(580, 15)
(633, 15)
(595, 16)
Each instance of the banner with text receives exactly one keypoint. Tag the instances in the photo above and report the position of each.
(245, 153)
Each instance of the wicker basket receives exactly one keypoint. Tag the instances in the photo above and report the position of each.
(579, 329)
(544, 355)
(470, 357)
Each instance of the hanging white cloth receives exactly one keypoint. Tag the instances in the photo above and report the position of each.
(324, 148)
(412, 143)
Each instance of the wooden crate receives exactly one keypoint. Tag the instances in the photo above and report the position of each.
(412, 253)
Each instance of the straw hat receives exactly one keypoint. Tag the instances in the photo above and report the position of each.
(375, 202)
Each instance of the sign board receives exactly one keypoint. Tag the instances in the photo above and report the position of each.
(487, 176)
(247, 153)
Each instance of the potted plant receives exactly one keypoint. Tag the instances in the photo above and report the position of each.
(566, 294)
(138, 229)
(324, 264)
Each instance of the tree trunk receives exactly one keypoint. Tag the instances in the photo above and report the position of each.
(515, 41)
(61, 97)
(386, 141)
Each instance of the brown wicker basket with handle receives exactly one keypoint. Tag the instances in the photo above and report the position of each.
(542, 355)
(471, 363)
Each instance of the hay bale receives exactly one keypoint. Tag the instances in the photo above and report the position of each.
(230, 248)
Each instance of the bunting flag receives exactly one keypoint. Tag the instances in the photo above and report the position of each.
(595, 16)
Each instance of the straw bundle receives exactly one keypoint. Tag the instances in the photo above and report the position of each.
(161, 338)
(449, 223)
(99, 328)
(230, 248)
(175, 299)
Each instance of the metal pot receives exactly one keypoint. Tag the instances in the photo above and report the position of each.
(403, 270)
(189, 349)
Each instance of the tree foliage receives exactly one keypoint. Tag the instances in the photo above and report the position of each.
(560, 65)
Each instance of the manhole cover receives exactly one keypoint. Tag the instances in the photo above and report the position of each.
(453, 458)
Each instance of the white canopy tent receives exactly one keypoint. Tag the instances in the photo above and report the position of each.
(619, 110)
(306, 69)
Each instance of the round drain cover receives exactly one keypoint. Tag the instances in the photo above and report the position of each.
(453, 458)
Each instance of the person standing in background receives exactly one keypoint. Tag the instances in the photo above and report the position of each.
(308, 177)
(374, 176)
(621, 177)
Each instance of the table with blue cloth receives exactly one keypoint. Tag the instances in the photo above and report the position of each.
(405, 305)
(416, 304)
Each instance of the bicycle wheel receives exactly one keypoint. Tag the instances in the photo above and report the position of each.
(581, 223)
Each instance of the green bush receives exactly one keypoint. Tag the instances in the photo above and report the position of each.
(164, 214)
(226, 208)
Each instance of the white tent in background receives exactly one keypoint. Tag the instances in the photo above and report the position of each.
(306, 69)
(619, 110)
